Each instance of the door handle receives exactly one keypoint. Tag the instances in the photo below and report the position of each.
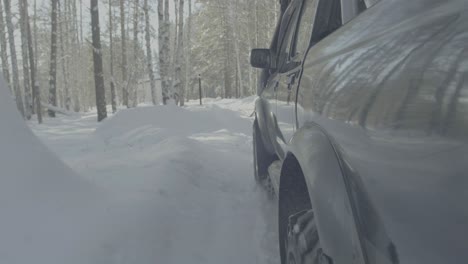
(291, 79)
(275, 87)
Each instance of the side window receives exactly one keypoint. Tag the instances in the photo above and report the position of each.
(286, 34)
(327, 20)
(304, 28)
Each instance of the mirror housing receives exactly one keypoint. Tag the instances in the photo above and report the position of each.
(262, 58)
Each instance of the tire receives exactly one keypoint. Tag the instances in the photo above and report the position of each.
(260, 158)
(298, 235)
(302, 240)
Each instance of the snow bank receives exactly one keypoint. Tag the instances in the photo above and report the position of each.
(191, 171)
(48, 213)
(169, 185)
(153, 124)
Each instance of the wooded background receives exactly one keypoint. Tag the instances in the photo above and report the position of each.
(72, 55)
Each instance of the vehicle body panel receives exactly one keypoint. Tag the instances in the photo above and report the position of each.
(387, 95)
(390, 89)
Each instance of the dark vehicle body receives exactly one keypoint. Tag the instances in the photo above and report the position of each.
(370, 120)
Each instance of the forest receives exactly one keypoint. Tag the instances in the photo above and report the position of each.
(74, 55)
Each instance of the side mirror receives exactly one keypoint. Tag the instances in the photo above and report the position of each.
(262, 58)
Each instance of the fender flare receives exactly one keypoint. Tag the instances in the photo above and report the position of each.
(328, 189)
(260, 116)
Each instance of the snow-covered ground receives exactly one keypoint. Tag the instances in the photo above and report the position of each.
(150, 185)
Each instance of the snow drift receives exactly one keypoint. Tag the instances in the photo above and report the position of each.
(155, 185)
(48, 213)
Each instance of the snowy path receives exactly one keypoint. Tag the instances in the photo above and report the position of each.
(181, 178)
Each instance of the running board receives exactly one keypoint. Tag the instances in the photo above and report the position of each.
(274, 172)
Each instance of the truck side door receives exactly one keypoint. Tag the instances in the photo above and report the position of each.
(291, 55)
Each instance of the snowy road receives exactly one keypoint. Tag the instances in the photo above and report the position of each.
(181, 178)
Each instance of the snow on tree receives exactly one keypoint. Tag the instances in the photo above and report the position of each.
(222, 39)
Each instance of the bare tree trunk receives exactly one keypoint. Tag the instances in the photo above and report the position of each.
(188, 66)
(3, 49)
(97, 60)
(176, 24)
(53, 60)
(32, 63)
(135, 51)
(64, 58)
(75, 56)
(83, 80)
(124, 54)
(179, 57)
(165, 55)
(237, 35)
(256, 39)
(14, 61)
(252, 85)
(227, 70)
(78, 78)
(36, 58)
(167, 51)
(111, 47)
(149, 55)
(28, 107)
(162, 62)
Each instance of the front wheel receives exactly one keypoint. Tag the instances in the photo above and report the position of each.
(302, 240)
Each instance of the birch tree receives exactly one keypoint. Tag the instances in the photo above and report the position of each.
(188, 66)
(28, 107)
(97, 62)
(163, 42)
(135, 50)
(3, 48)
(169, 93)
(32, 63)
(179, 57)
(14, 61)
(53, 59)
(111, 47)
(124, 54)
(237, 36)
(149, 55)
(63, 29)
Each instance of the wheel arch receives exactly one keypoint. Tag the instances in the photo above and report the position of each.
(313, 154)
(293, 196)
